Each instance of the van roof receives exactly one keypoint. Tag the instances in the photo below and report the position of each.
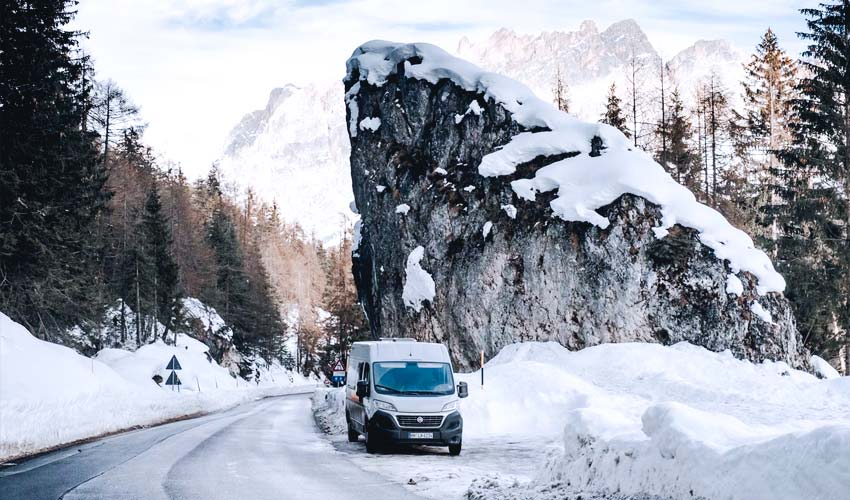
(402, 351)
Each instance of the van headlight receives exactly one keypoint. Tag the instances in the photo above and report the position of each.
(384, 405)
(451, 405)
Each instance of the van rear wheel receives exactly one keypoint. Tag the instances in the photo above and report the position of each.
(454, 449)
(352, 434)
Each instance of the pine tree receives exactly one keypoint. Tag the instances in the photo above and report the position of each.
(346, 323)
(51, 182)
(764, 128)
(682, 160)
(162, 280)
(560, 92)
(614, 112)
(814, 218)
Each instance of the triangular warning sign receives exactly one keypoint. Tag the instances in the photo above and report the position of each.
(173, 379)
(338, 367)
(173, 364)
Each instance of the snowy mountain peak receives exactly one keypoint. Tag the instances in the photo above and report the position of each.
(295, 152)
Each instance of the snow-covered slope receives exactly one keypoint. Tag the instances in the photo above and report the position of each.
(50, 395)
(678, 422)
(295, 153)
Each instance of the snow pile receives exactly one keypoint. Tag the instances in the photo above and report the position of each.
(50, 395)
(823, 369)
(679, 422)
(595, 177)
(418, 284)
(199, 371)
(402, 209)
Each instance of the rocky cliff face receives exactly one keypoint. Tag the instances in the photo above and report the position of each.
(497, 265)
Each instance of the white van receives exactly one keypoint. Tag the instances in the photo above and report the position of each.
(403, 391)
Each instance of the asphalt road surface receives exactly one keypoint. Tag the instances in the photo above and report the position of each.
(269, 449)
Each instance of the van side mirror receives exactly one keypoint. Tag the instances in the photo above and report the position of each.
(362, 389)
(462, 390)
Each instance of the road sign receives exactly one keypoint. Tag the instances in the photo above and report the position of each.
(338, 374)
(173, 364)
(173, 379)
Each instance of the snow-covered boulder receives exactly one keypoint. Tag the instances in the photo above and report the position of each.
(600, 244)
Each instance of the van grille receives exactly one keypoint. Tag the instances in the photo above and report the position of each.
(413, 420)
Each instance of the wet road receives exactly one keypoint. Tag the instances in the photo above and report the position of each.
(269, 449)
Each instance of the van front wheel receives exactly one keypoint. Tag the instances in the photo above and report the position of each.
(454, 449)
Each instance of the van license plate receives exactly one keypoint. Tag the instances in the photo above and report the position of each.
(420, 435)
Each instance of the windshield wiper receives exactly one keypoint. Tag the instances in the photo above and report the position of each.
(390, 389)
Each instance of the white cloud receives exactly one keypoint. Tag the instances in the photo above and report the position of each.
(196, 66)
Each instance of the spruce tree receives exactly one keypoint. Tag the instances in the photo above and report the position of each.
(51, 180)
(814, 216)
(764, 128)
(682, 159)
(614, 112)
(163, 272)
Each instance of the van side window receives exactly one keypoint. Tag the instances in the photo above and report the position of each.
(352, 374)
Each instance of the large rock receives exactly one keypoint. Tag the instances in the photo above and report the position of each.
(499, 279)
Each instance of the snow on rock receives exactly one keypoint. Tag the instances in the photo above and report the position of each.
(441, 171)
(469, 188)
(734, 285)
(585, 182)
(380, 188)
(372, 124)
(676, 422)
(418, 284)
(823, 369)
(486, 229)
(50, 395)
(194, 309)
(761, 312)
(353, 110)
(402, 209)
(630, 251)
(510, 210)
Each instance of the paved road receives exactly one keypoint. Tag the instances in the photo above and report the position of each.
(269, 449)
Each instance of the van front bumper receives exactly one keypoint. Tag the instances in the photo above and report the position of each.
(383, 426)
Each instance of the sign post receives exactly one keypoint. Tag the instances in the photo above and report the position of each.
(173, 379)
(482, 369)
(339, 374)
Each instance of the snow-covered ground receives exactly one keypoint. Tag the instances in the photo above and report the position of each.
(51, 395)
(631, 421)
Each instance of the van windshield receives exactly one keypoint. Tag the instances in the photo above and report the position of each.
(412, 378)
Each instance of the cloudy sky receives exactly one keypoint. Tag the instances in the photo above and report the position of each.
(196, 66)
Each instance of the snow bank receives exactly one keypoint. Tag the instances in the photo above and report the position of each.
(329, 410)
(50, 395)
(418, 284)
(584, 182)
(649, 419)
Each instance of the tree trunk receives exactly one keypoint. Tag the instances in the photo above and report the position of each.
(138, 309)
